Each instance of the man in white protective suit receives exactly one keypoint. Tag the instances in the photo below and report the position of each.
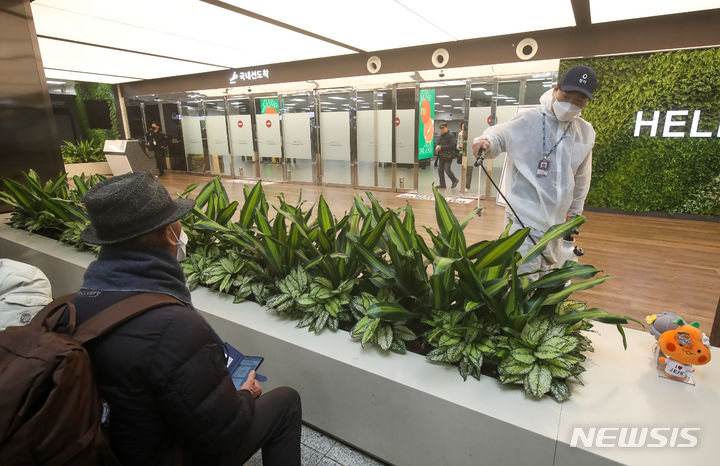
(549, 162)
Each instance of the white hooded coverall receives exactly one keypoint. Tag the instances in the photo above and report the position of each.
(543, 201)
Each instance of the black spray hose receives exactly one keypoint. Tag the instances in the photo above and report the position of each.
(479, 163)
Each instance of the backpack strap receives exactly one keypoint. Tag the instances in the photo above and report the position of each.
(121, 312)
(49, 315)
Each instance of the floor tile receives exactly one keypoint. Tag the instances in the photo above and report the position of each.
(309, 457)
(328, 462)
(346, 456)
(255, 460)
(316, 440)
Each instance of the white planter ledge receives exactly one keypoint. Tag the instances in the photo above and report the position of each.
(407, 411)
(89, 168)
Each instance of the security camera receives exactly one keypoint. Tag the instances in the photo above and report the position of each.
(374, 64)
(526, 48)
(249, 90)
(440, 58)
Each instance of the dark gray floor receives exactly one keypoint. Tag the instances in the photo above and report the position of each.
(320, 450)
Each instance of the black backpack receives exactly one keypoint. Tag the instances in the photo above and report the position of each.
(50, 410)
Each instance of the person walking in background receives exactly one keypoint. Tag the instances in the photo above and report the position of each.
(447, 151)
(549, 153)
(157, 141)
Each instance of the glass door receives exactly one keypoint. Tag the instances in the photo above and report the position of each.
(269, 138)
(190, 122)
(374, 138)
(441, 105)
(217, 137)
(241, 138)
(298, 120)
(335, 144)
(405, 139)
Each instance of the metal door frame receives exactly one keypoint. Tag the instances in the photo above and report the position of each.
(353, 134)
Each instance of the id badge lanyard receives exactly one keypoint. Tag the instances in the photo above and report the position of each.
(543, 168)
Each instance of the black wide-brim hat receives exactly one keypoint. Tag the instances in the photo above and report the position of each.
(127, 206)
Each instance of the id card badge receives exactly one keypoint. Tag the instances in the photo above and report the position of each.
(543, 168)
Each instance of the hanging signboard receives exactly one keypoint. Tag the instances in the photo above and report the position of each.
(426, 147)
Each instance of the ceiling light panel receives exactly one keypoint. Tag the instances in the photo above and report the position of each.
(85, 77)
(469, 20)
(616, 10)
(84, 58)
(368, 25)
(187, 29)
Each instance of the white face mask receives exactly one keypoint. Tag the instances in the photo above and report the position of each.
(181, 244)
(565, 111)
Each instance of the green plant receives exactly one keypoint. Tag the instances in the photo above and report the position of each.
(374, 330)
(82, 152)
(654, 173)
(372, 273)
(544, 356)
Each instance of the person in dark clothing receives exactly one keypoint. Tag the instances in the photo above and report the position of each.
(157, 142)
(447, 151)
(164, 372)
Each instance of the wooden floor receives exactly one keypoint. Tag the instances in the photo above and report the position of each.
(658, 264)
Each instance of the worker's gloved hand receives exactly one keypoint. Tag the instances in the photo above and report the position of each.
(480, 144)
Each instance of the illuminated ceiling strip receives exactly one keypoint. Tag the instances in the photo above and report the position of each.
(236, 9)
(60, 39)
(96, 74)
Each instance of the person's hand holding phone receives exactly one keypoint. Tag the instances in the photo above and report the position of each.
(251, 385)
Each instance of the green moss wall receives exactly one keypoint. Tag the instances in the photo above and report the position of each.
(97, 91)
(673, 175)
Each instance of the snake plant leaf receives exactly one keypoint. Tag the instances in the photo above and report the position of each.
(252, 203)
(205, 194)
(559, 296)
(226, 214)
(222, 197)
(325, 217)
(391, 312)
(537, 382)
(562, 275)
(469, 217)
(501, 250)
(445, 217)
(553, 233)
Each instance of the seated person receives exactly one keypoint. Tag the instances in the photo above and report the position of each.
(164, 373)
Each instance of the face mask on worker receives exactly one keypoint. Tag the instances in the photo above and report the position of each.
(181, 244)
(565, 111)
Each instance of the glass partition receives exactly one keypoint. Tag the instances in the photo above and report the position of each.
(217, 137)
(241, 137)
(298, 119)
(192, 137)
(374, 138)
(335, 136)
(444, 100)
(269, 141)
(405, 139)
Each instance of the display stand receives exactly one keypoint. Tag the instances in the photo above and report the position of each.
(129, 156)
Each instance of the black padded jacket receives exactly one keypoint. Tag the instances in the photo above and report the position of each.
(164, 376)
